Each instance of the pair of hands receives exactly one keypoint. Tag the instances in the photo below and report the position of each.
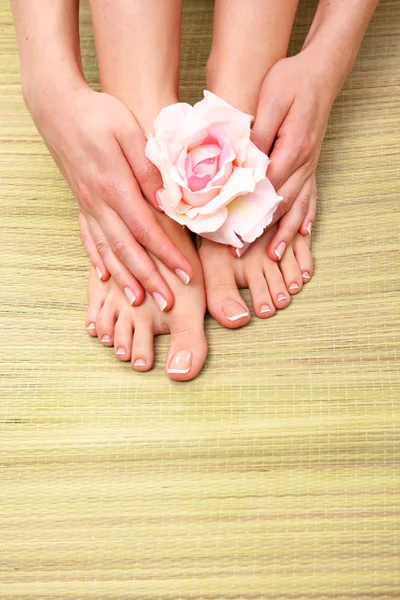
(99, 148)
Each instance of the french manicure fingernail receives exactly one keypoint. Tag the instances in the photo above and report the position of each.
(306, 275)
(158, 199)
(106, 339)
(91, 326)
(99, 273)
(293, 287)
(160, 300)
(234, 311)
(238, 253)
(309, 227)
(182, 276)
(281, 297)
(280, 250)
(130, 295)
(180, 363)
(265, 308)
(139, 362)
(121, 351)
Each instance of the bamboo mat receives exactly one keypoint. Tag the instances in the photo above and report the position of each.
(274, 474)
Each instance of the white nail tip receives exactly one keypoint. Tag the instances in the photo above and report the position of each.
(265, 310)
(237, 252)
(277, 254)
(99, 273)
(139, 362)
(293, 286)
(161, 302)
(184, 277)
(309, 226)
(236, 317)
(91, 327)
(120, 352)
(179, 371)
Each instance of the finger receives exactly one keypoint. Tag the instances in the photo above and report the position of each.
(308, 221)
(133, 256)
(271, 113)
(124, 279)
(140, 219)
(289, 225)
(133, 143)
(90, 248)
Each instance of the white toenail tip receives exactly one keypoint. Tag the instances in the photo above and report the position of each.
(99, 273)
(91, 326)
(265, 310)
(306, 275)
(236, 317)
(179, 371)
(281, 297)
(120, 352)
(139, 363)
(106, 339)
(293, 286)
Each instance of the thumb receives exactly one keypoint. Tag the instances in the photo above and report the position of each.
(133, 144)
(271, 113)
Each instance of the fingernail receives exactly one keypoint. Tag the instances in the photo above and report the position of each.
(121, 351)
(182, 276)
(139, 362)
(265, 308)
(130, 295)
(234, 311)
(99, 273)
(293, 287)
(238, 253)
(281, 297)
(309, 227)
(180, 362)
(158, 199)
(91, 326)
(160, 300)
(106, 338)
(306, 275)
(280, 250)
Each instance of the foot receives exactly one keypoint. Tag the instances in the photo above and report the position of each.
(271, 284)
(131, 330)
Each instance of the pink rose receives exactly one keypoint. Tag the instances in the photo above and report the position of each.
(214, 177)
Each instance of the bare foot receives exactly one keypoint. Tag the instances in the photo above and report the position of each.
(271, 284)
(131, 330)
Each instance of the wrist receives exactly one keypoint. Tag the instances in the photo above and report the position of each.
(327, 71)
(49, 88)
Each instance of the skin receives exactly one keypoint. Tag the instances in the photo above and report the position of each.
(99, 147)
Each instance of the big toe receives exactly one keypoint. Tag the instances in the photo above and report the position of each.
(187, 351)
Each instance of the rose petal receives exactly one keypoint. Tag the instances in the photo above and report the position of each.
(241, 182)
(200, 224)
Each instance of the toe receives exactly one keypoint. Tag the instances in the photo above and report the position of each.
(291, 272)
(96, 296)
(142, 347)
(260, 296)
(123, 335)
(106, 322)
(276, 285)
(187, 351)
(301, 248)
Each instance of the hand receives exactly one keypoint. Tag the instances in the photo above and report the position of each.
(99, 148)
(292, 116)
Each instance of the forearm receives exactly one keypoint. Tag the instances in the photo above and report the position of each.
(335, 37)
(48, 42)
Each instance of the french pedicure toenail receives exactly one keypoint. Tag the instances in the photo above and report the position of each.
(293, 287)
(234, 311)
(180, 363)
(306, 275)
(160, 300)
(106, 339)
(99, 273)
(91, 327)
(130, 295)
(280, 250)
(139, 362)
(281, 297)
(121, 351)
(265, 309)
(182, 276)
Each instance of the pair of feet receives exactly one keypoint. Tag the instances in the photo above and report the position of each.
(215, 286)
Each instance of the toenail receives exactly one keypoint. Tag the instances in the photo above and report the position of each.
(182, 276)
(234, 311)
(130, 295)
(265, 308)
(281, 297)
(293, 287)
(160, 300)
(91, 326)
(180, 362)
(309, 227)
(105, 339)
(99, 273)
(306, 275)
(139, 362)
(280, 250)
(121, 351)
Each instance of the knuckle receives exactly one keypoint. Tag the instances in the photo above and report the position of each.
(119, 249)
(146, 171)
(147, 277)
(141, 233)
(102, 247)
(260, 139)
(104, 184)
(85, 196)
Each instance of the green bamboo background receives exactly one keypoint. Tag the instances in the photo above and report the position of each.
(273, 475)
